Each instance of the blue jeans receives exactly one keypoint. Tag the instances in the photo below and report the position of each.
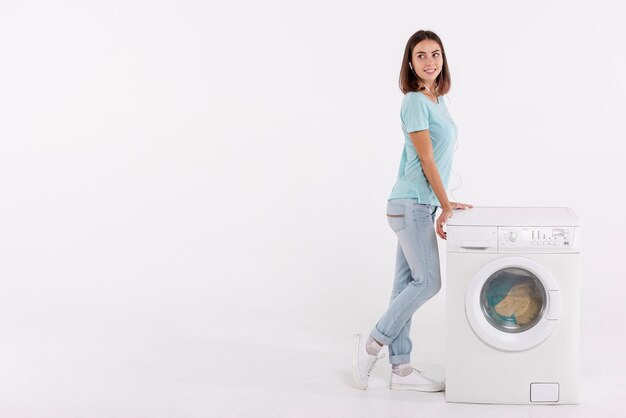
(417, 277)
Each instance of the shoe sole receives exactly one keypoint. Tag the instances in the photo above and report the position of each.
(421, 388)
(355, 350)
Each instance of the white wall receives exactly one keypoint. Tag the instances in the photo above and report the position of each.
(218, 172)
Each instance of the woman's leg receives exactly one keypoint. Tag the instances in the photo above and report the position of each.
(402, 344)
(417, 277)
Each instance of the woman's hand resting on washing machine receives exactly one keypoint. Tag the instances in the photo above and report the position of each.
(446, 212)
(458, 205)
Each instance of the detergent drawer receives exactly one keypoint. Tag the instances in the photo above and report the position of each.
(472, 239)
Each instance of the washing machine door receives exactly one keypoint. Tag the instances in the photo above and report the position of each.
(513, 303)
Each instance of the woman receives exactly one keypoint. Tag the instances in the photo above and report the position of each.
(430, 137)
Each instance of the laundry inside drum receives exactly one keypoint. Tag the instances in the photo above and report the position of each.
(513, 299)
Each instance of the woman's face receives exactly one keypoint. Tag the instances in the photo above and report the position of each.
(427, 60)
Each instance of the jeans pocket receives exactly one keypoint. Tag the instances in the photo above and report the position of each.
(432, 216)
(396, 216)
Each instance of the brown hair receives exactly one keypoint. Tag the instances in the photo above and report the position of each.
(408, 80)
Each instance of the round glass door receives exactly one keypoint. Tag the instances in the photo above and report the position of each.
(513, 303)
(513, 299)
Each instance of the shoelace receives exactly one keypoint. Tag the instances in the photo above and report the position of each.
(421, 373)
(371, 366)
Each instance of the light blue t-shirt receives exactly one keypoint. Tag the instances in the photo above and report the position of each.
(419, 113)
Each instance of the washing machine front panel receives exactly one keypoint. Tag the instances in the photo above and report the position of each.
(498, 361)
(513, 304)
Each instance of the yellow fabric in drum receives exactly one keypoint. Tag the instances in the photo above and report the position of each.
(516, 302)
(530, 314)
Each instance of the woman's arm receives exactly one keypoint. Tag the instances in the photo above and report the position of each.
(424, 149)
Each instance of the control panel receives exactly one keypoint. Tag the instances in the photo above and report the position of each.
(536, 238)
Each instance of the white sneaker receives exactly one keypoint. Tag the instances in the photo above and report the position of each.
(362, 361)
(415, 381)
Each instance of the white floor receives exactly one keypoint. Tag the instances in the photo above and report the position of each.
(318, 383)
(165, 374)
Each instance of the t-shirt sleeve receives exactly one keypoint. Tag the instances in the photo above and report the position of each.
(414, 114)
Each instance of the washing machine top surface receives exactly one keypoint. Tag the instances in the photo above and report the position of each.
(515, 216)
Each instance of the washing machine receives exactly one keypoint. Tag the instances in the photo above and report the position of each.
(512, 305)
